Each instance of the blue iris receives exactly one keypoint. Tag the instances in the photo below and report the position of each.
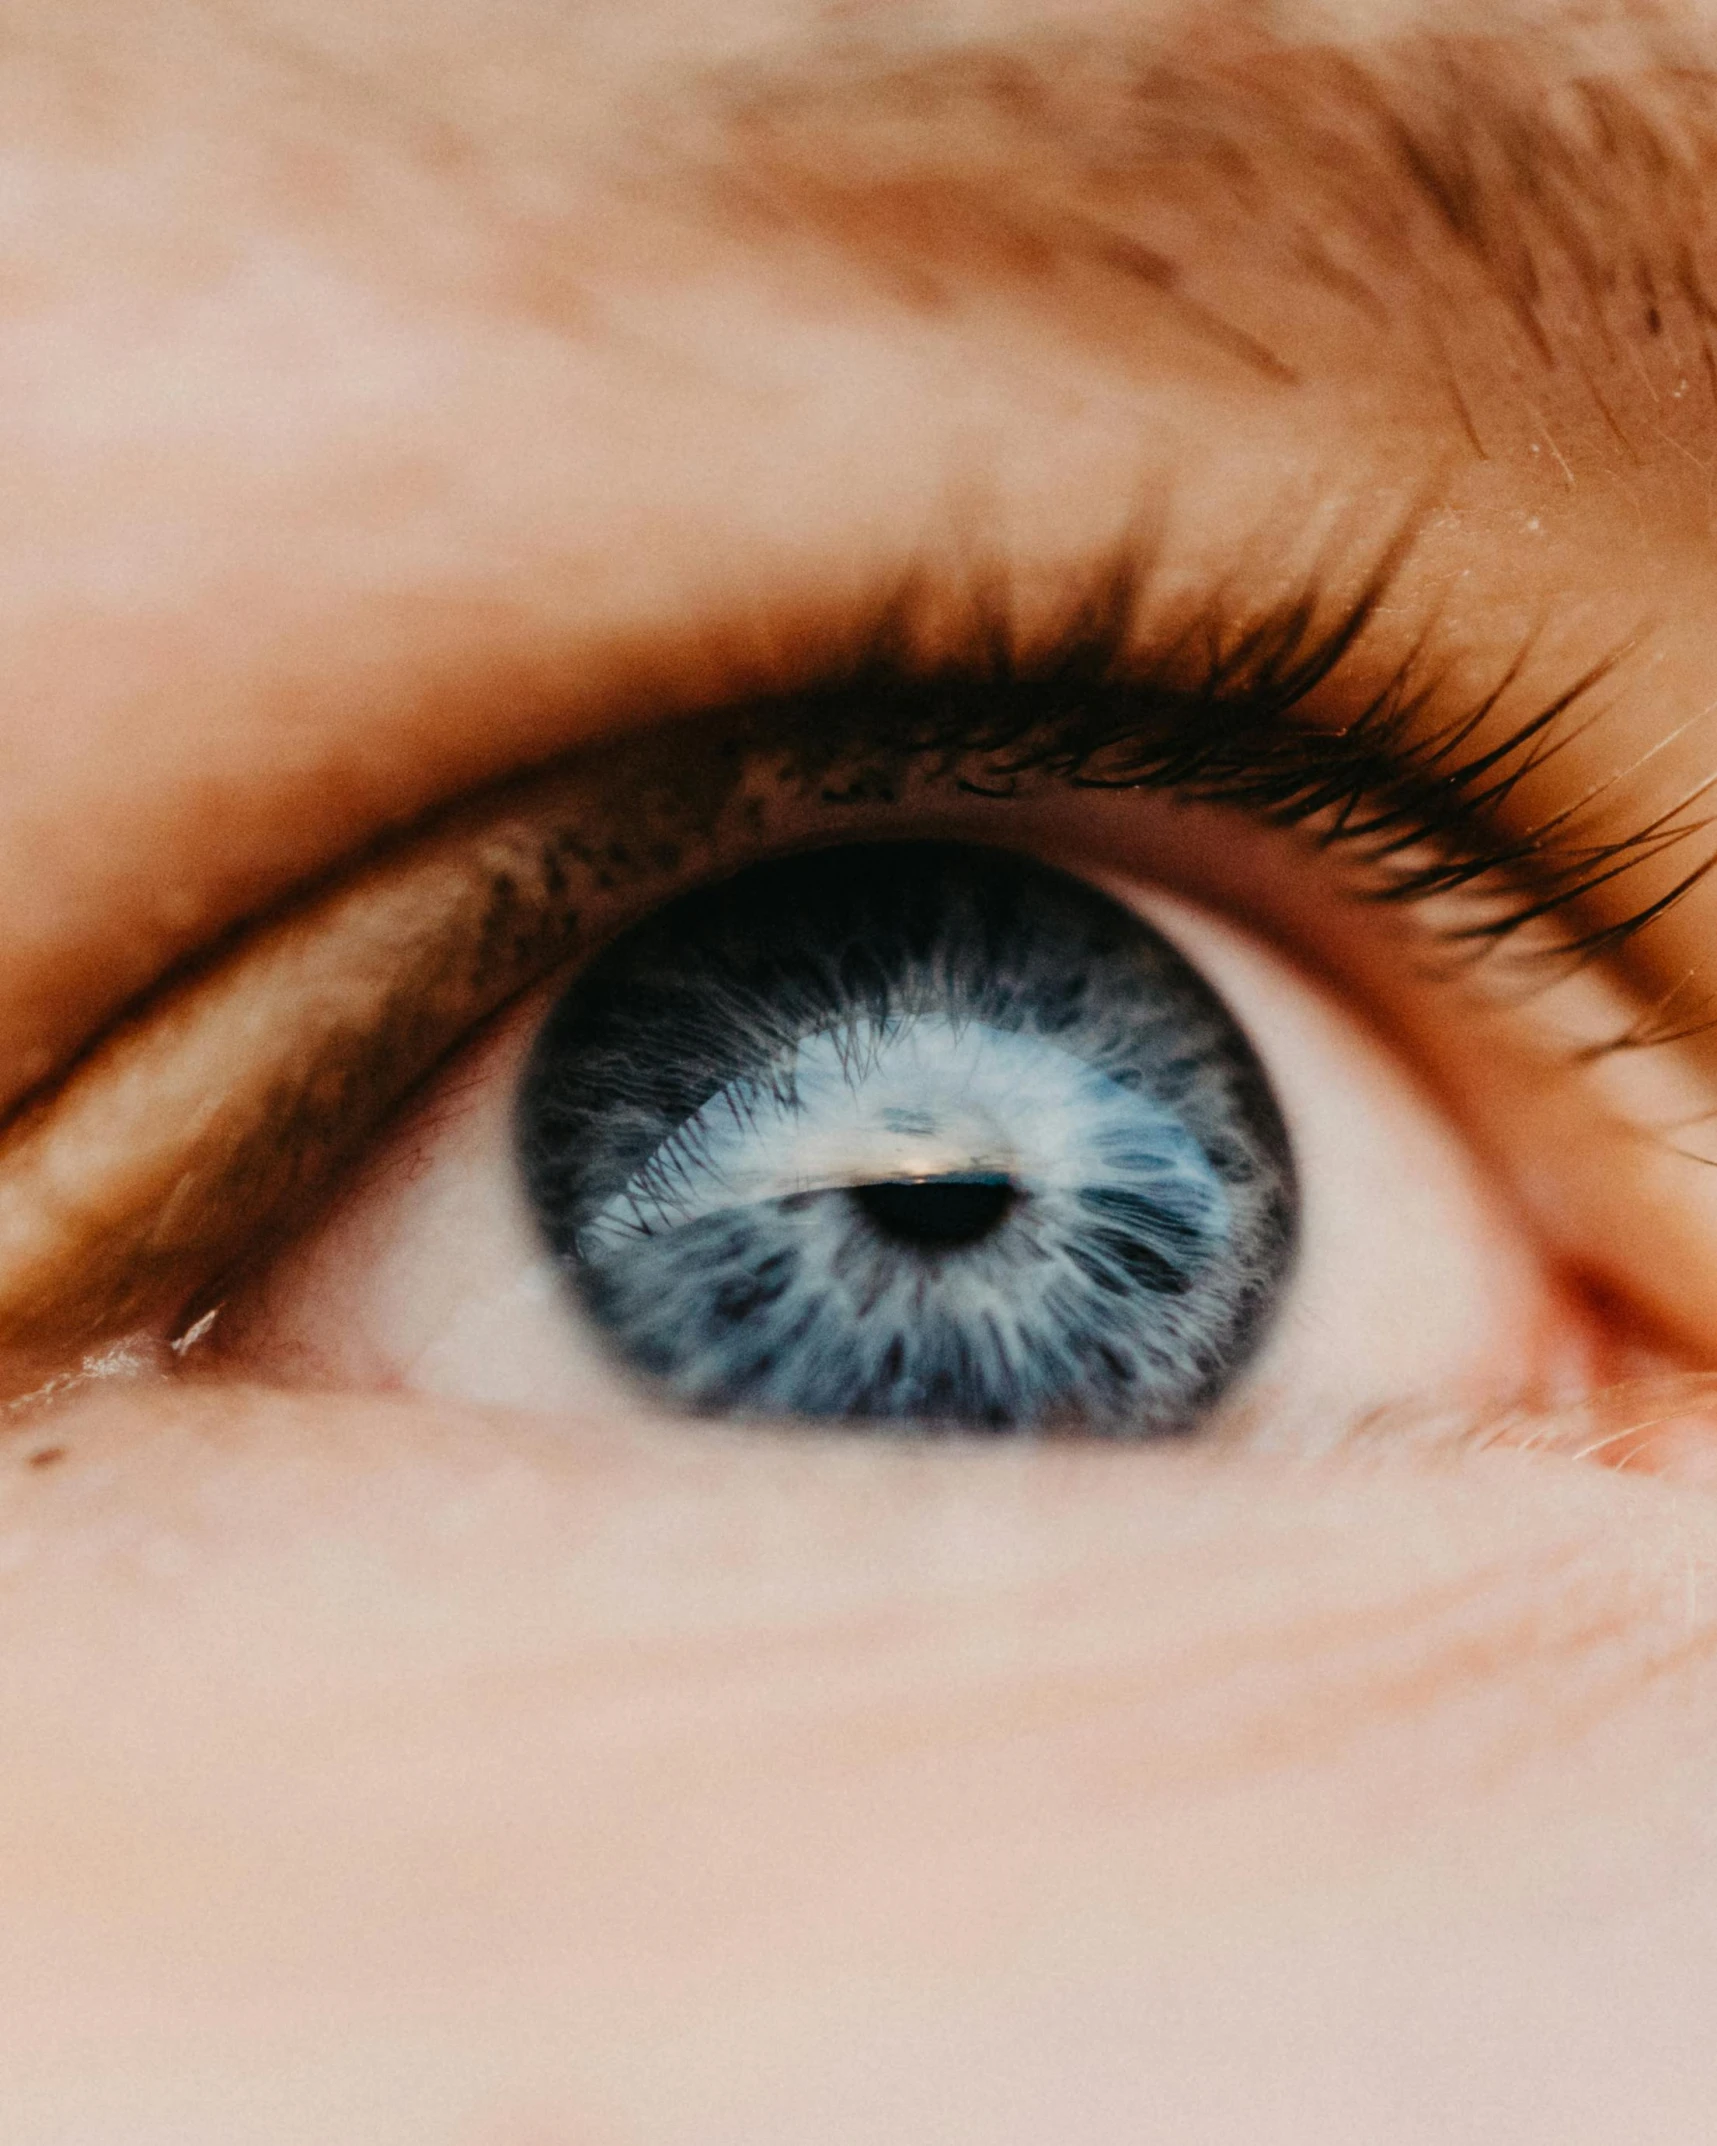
(911, 1132)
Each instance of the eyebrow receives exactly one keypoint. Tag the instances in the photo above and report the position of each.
(1559, 163)
(1400, 179)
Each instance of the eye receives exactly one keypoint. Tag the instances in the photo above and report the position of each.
(1281, 1166)
(935, 1134)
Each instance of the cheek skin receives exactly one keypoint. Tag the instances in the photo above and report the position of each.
(416, 1774)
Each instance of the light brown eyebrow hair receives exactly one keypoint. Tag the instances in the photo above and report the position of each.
(1562, 176)
(1557, 162)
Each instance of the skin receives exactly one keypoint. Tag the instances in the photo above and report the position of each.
(389, 400)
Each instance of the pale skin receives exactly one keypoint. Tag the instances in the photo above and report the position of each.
(394, 399)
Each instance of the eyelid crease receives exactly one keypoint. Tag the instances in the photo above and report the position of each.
(204, 1125)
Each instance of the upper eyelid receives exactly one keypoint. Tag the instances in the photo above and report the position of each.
(224, 1104)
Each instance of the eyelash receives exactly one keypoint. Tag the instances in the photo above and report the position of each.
(1232, 711)
(1218, 717)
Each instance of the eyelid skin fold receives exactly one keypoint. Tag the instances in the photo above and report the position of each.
(206, 1121)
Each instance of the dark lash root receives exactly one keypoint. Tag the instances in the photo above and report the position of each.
(1220, 719)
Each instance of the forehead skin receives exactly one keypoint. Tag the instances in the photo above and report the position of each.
(391, 397)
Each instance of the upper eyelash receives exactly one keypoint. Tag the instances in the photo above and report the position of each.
(1219, 718)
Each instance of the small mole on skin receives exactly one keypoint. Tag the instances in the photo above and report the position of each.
(46, 1456)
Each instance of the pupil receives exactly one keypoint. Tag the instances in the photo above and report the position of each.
(936, 1211)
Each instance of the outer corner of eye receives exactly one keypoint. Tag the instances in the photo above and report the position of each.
(917, 1133)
